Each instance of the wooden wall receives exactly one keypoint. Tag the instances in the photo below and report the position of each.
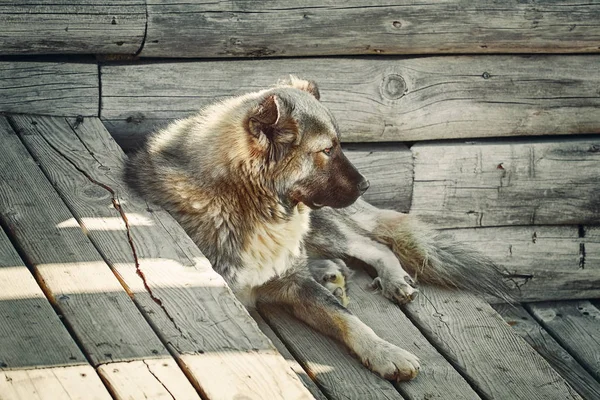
(482, 117)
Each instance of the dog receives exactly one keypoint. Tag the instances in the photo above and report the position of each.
(262, 186)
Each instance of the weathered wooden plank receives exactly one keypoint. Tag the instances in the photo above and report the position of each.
(376, 100)
(576, 326)
(338, 374)
(389, 169)
(78, 382)
(390, 323)
(153, 379)
(477, 341)
(545, 261)
(72, 27)
(31, 334)
(187, 303)
(105, 321)
(508, 183)
(54, 88)
(293, 364)
(526, 326)
(590, 250)
(238, 29)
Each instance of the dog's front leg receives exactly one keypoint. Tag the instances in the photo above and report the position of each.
(316, 306)
(392, 279)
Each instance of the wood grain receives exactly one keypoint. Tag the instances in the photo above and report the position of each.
(187, 303)
(576, 326)
(538, 338)
(477, 341)
(238, 29)
(154, 379)
(338, 374)
(391, 324)
(72, 27)
(99, 312)
(375, 100)
(389, 169)
(31, 334)
(78, 382)
(545, 262)
(54, 88)
(74, 275)
(496, 183)
(293, 364)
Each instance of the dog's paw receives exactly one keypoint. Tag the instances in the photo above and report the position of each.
(399, 289)
(391, 362)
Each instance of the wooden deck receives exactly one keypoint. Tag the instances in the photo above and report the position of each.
(102, 296)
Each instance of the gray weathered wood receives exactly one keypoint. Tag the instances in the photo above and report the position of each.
(79, 382)
(389, 169)
(338, 374)
(390, 323)
(72, 27)
(278, 28)
(383, 99)
(526, 326)
(471, 335)
(105, 321)
(92, 296)
(54, 88)
(545, 261)
(576, 326)
(31, 334)
(293, 364)
(590, 252)
(187, 303)
(508, 183)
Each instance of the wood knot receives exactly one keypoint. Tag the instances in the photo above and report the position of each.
(393, 87)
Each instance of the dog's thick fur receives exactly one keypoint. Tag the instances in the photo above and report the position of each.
(242, 178)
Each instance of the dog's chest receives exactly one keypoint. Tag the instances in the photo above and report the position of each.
(271, 249)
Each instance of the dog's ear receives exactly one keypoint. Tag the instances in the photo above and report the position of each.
(306, 85)
(272, 125)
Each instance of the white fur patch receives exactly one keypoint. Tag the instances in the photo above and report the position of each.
(270, 252)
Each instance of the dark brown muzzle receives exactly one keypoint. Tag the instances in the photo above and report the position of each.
(336, 185)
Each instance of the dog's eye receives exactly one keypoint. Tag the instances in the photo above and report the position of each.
(327, 151)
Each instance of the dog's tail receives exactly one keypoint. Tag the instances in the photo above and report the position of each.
(435, 257)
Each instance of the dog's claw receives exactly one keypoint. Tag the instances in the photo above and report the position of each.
(400, 290)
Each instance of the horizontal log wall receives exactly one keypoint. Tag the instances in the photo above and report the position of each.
(52, 88)
(376, 99)
(195, 28)
(72, 27)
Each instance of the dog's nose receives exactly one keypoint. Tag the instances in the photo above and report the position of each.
(363, 186)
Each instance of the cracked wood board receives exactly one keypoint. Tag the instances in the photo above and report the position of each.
(78, 382)
(106, 323)
(374, 99)
(187, 303)
(533, 333)
(576, 326)
(154, 379)
(493, 183)
(545, 262)
(497, 362)
(237, 29)
(72, 27)
(294, 365)
(55, 88)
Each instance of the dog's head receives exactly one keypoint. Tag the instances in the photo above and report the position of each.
(299, 141)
